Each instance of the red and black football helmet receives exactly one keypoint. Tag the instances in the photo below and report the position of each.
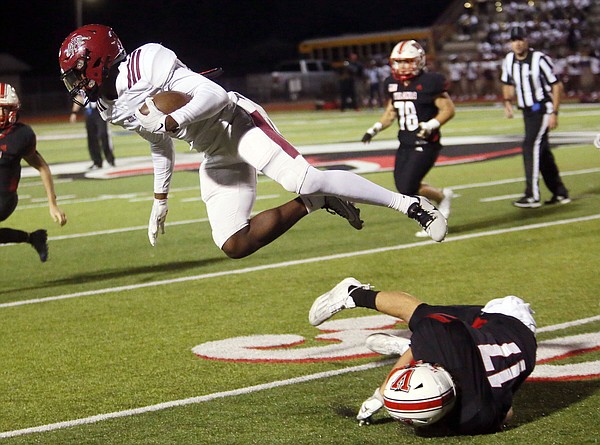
(85, 59)
(9, 105)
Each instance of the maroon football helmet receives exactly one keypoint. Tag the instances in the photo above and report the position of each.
(85, 59)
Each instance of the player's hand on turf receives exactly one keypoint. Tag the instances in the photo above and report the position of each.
(157, 219)
(370, 407)
(154, 121)
(367, 138)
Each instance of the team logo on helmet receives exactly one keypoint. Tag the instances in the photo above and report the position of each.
(419, 395)
(76, 45)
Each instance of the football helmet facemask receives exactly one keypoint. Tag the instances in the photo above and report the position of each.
(9, 105)
(407, 60)
(420, 394)
(85, 59)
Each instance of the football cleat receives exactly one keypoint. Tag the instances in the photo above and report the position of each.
(345, 209)
(558, 199)
(387, 344)
(39, 241)
(429, 218)
(527, 202)
(335, 300)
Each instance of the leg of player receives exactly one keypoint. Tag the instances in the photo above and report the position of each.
(264, 228)
(37, 239)
(355, 188)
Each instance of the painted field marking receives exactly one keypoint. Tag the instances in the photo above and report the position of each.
(298, 262)
(235, 392)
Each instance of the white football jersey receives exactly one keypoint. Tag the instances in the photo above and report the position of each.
(204, 122)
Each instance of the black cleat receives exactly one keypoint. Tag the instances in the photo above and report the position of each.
(39, 241)
(558, 199)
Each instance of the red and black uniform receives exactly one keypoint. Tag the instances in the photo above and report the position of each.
(16, 142)
(414, 102)
(489, 356)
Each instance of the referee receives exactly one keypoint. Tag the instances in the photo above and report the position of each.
(528, 75)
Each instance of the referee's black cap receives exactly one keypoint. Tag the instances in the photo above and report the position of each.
(517, 33)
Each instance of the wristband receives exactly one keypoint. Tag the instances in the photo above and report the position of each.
(433, 124)
(376, 128)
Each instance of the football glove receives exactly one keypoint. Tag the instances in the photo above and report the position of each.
(154, 121)
(371, 132)
(370, 407)
(426, 128)
(157, 219)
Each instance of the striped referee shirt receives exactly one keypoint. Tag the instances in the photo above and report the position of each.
(532, 78)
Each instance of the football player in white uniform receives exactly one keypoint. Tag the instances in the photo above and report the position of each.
(235, 134)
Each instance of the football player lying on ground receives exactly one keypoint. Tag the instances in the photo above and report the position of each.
(19, 142)
(462, 364)
(235, 134)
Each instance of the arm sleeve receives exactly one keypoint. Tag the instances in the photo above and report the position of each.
(163, 159)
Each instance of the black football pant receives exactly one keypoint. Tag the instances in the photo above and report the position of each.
(538, 158)
(8, 203)
(98, 138)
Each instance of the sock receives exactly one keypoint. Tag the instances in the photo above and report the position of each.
(13, 236)
(402, 202)
(363, 297)
(313, 202)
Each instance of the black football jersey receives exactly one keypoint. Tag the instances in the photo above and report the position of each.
(488, 355)
(16, 142)
(414, 103)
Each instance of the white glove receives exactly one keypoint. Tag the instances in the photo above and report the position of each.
(154, 121)
(426, 128)
(157, 219)
(370, 407)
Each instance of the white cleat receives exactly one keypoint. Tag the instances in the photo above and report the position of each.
(429, 218)
(334, 301)
(387, 344)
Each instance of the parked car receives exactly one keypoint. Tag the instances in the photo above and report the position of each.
(296, 79)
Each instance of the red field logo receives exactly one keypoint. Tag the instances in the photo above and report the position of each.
(561, 358)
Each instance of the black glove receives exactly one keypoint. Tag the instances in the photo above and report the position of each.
(367, 138)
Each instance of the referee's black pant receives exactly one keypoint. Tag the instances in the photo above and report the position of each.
(538, 158)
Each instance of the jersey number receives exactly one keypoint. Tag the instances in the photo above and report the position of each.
(407, 115)
(498, 377)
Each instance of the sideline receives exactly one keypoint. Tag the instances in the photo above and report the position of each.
(298, 262)
(234, 392)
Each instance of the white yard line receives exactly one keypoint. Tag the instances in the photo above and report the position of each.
(297, 262)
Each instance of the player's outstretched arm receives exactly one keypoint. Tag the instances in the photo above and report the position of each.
(39, 163)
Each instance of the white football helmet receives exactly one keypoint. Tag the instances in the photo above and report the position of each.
(419, 395)
(9, 105)
(407, 60)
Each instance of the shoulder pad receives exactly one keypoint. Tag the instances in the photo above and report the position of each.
(151, 63)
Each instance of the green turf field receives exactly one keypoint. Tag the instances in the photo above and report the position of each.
(97, 342)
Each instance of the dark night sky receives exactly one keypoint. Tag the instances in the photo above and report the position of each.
(239, 35)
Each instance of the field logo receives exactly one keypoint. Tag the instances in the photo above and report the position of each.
(346, 341)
